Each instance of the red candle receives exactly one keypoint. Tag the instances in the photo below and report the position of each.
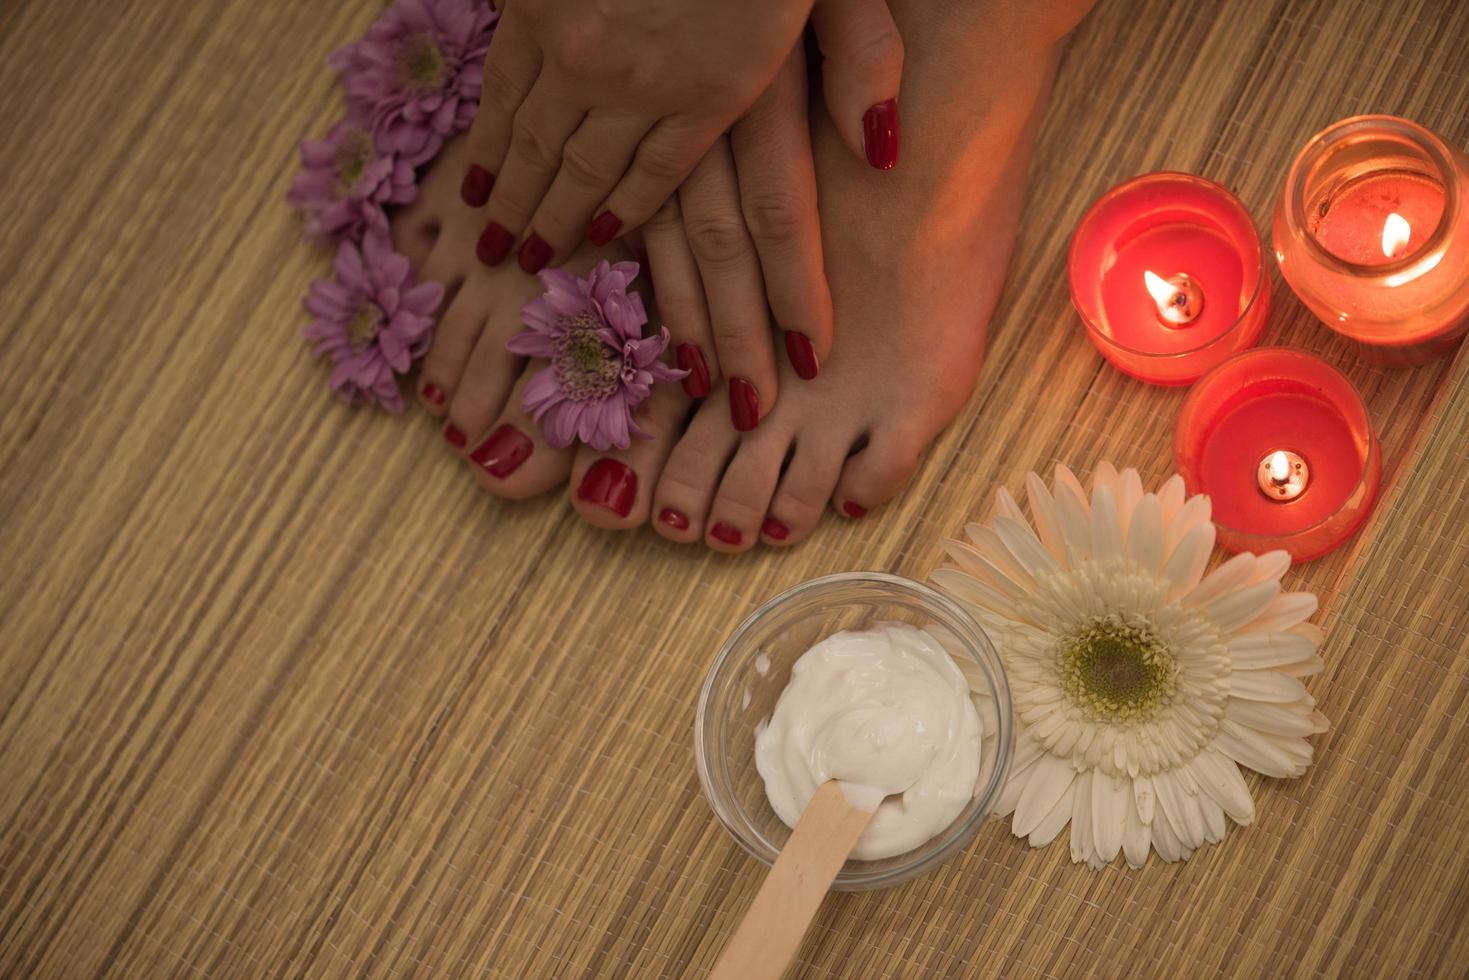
(1281, 443)
(1167, 274)
(1372, 232)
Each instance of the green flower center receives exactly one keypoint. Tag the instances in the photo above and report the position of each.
(362, 328)
(586, 368)
(422, 65)
(1116, 672)
(353, 156)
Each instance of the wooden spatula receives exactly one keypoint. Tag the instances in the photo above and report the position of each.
(770, 933)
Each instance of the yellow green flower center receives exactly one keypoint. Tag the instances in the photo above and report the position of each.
(586, 368)
(422, 64)
(362, 328)
(353, 156)
(1115, 671)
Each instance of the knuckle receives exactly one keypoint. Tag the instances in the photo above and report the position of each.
(531, 145)
(774, 215)
(499, 93)
(661, 163)
(800, 503)
(719, 239)
(878, 53)
(667, 220)
(583, 167)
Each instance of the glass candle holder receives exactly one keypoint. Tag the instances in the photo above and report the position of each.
(1281, 443)
(1168, 274)
(1372, 233)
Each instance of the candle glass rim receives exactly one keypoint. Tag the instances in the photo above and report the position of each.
(1262, 280)
(1317, 148)
(1370, 459)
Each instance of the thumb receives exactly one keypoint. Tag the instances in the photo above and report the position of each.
(862, 63)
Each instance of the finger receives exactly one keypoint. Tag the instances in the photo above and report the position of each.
(541, 129)
(735, 292)
(592, 161)
(772, 154)
(510, 71)
(862, 64)
(665, 157)
(679, 293)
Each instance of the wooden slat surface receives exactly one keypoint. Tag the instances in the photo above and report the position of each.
(282, 693)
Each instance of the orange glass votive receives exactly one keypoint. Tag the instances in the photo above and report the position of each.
(1281, 443)
(1372, 233)
(1168, 274)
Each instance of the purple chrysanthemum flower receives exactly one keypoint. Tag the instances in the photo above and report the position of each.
(602, 367)
(372, 321)
(345, 185)
(416, 76)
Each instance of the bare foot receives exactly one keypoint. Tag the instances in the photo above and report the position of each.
(916, 258)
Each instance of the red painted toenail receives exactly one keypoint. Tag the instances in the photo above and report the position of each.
(610, 483)
(432, 393)
(604, 229)
(674, 519)
(802, 355)
(478, 182)
(744, 404)
(455, 436)
(724, 532)
(503, 452)
(854, 510)
(880, 135)
(691, 359)
(494, 244)
(534, 254)
(775, 529)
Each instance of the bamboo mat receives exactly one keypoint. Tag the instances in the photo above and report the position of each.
(282, 693)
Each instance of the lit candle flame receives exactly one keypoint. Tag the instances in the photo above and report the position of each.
(1395, 232)
(1159, 288)
(1279, 467)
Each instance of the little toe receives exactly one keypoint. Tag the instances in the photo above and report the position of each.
(876, 474)
(741, 508)
(686, 489)
(483, 389)
(511, 458)
(804, 490)
(613, 489)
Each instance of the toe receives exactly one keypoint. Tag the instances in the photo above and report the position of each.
(614, 489)
(483, 389)
(686, 489)
(740, 513)
(454, 340)
(876, 474)
(804, 490)
(512, 459)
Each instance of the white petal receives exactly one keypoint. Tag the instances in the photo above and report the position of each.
(1213, 818)
(1051, 824)
(980, 565)
(971, 592)
(1288, 609)
(1257, 651)
(1187, 562)
(1144, 797)
(1005, 506)
(1129, 492)
(1109, 813)
(1194, 512)
(988, 543)
(1170, 495)
(1074, 515)
(1082, 846)
(1105, 475)
(1232, 575)
(1266, 685)
(1304, 668)
(1254, 749)
(1136, 836)
(1272, 719)
(1106, 534)
(1272, 564)
(1025, 546)
(1232, 611)
(1049, 778)
(1310, 631)
(1047, 520)
(1179, 809)
(1220, 779)
(1145, 534)
(1164, 842)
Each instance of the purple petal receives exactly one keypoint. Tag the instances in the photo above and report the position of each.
(531, 343)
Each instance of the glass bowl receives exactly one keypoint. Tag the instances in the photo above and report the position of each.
(752, 669)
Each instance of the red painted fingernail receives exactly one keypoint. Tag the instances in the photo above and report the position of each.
(494, 244)
(476, 187)
(880, 135)
(454, 436)
(674, 519)
(691, 359)
(432, 393)
(724, 532)
(610, 483)
(744, 404)
(534, 254)
(854, 510)
(503, 452)
(802, 355)
(603, 228)
(775, 529)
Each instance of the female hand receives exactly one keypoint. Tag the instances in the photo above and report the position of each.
(603, 107)
(739, 242)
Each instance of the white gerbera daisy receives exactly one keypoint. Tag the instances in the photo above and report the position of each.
(1140, 684)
